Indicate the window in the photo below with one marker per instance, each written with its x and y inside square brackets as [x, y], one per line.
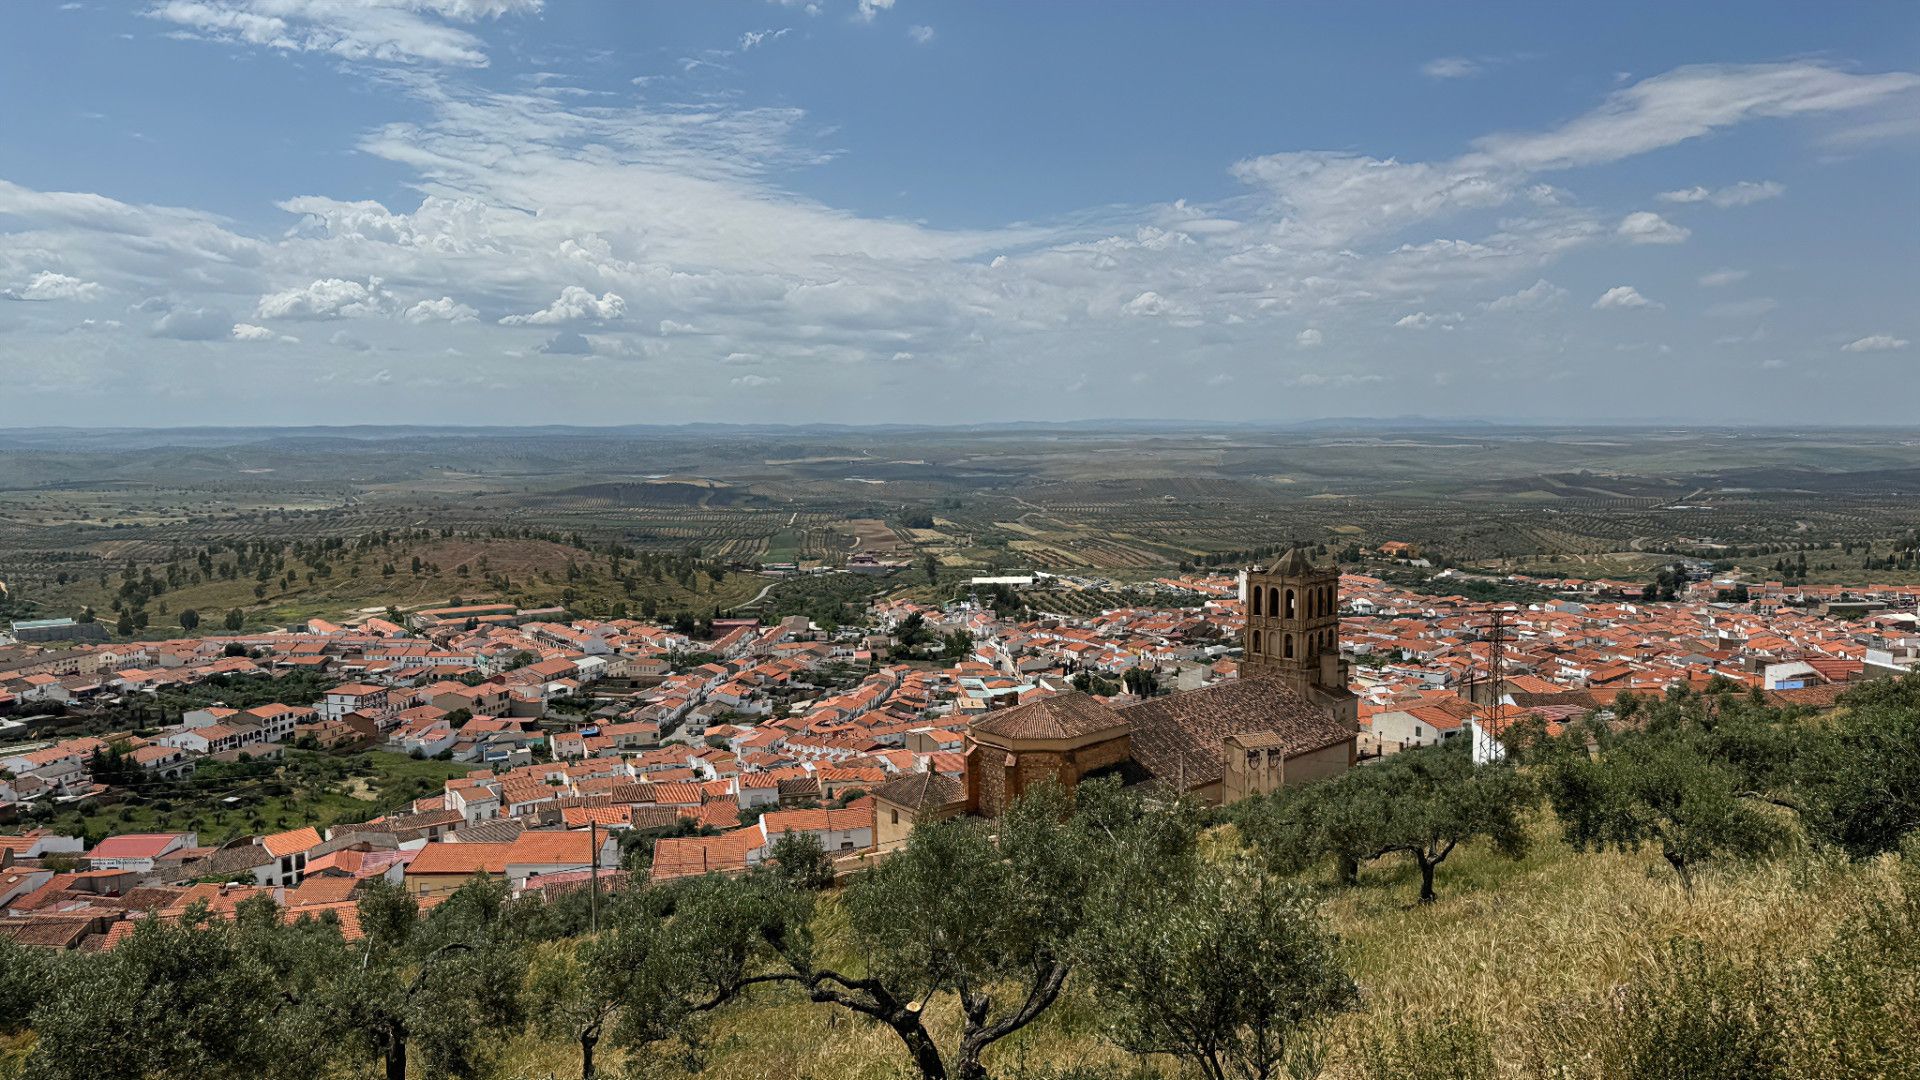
[1288, 645]
[896, 816]
[1256, 643]
[1290, 604]
[1253, 600]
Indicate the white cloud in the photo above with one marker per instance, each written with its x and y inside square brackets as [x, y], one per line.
[384, 31]
[1539, 296]
[1647, 227]
[194, 324]
[1622, 296]
[756, 380]
[1148, 304]
[1309, 338]
[250, 332]
[1451, 67]
[567, 343]
[574, 304]
[1313, 379]
[1420, 320]
[753, 39]
[1689, 102]
[343, 340]
[1718, 278]
[685, 211]
[1741, 194]
[328, 298]
[870, 8]
[1875, 343]
[445, 309]
[47, 285]
[1333, 199]
[920, 34]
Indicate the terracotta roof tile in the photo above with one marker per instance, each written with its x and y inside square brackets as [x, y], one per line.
[1178, 737]
[1062, 716]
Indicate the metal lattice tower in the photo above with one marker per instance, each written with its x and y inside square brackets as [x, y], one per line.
[1496, 633]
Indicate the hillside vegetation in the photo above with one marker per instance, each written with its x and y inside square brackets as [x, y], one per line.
[1707, 888]
[274, 582]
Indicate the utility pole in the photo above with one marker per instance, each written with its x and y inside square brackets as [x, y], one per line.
[1497, 670]
[1497, 654]
[1492, 717]
[593, 881]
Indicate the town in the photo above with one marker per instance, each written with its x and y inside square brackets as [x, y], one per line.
[582, 749]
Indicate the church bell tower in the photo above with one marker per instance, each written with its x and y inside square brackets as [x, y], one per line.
[1293, 631]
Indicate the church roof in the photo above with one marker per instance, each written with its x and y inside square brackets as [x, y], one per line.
[1293, 564]
[1178, 738]
[921, 791]
[1062, 716]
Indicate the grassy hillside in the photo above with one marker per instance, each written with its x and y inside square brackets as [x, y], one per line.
[1515, 958]
[406, 574]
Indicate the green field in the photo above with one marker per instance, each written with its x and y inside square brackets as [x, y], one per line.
[532, 518]
[221, 802]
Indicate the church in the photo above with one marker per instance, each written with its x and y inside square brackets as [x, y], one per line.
[1288, 719]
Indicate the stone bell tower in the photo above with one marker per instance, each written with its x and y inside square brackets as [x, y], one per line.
[1293, 632]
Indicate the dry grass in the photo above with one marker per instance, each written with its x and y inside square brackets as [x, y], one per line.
[1508, 944]
[1511, 941]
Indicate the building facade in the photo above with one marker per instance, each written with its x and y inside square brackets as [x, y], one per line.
[1293, 632]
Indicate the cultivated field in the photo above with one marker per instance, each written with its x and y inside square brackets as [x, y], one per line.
[539, 516]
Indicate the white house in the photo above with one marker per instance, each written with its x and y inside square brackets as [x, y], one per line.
[850, 829]
[287, 856]
[138, 851]
[546, 851]
[372, 701]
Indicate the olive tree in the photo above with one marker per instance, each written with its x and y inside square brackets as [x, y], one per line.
[447, 984]
[201, 997]
[991, 914]
[1422, 803]
[1661, 786]
[1857, 780]
[1226, 969]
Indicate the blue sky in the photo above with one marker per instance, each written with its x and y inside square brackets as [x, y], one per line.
[498, 211]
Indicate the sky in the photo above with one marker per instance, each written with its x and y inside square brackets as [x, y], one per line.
[241, 212]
